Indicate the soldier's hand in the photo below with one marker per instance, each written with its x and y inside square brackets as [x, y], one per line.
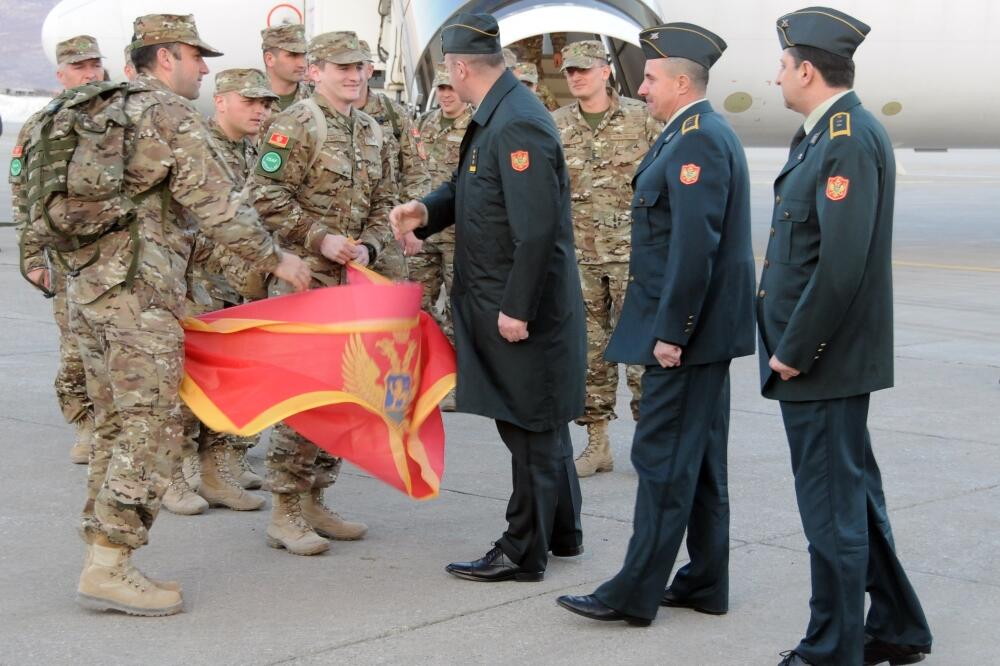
[40, 276]
[361, 256]
[512, 330]
[294, 271]
[666, 354]
[404, 218]
[786, 371]
[338, 248]
[411, 244]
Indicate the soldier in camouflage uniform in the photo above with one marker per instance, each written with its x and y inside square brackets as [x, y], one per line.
[284, 48]
[442, 130]
[218, 279]
[79, 62]
[604, 137]
[410, 174]
[129, 68]
[529, 50]
[527, 74]
[326, 191]
[125, 321]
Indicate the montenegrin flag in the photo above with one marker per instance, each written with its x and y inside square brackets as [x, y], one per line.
[358, 369]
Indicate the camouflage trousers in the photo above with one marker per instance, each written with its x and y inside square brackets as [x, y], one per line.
[71, 380]
[392, 263]
[604, 288]
[433, 268]
[294, 464]
[133, 353]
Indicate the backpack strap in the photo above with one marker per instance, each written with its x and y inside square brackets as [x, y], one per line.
[390, 112]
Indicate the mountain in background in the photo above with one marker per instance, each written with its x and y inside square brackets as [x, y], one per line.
[22, 62]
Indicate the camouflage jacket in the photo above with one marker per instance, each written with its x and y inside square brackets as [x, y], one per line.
[169, 152]
[214, 270]
[33, 254]
[303, 90]
[601, 164]
[409, 154]
[346, 191]
[442, 144]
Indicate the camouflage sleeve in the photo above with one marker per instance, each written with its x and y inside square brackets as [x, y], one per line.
[32, 252]
[377, 231]
[416, 180]
[202, 183]
[279, 173]
[653, 129]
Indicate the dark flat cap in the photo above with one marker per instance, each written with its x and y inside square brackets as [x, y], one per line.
[471, 33]
[682, 40]
[822, 28]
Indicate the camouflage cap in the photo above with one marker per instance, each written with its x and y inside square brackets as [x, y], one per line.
[77, 49]
[526, 71]
[367, 50]
[289, 37]
[340, 48]
[247, 82]
[583, 55]
[441, 76]
[509, 58]
[154, 29]
[128, 54]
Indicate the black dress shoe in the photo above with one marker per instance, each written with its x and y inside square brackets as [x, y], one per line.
[590, 606]
[669, 599]
[568, 552]
[793, 658]
[493, 567]
[880, 652]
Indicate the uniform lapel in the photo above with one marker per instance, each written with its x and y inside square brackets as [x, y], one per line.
[669, 132]
[798, 155]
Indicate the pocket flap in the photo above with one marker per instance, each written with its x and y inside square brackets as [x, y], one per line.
[645, 198]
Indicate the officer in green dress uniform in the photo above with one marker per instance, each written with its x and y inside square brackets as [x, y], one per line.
[520, 333]
[688, 312]
[825, 320]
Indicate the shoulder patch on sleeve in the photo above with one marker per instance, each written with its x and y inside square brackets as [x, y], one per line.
[690, 174]
[691, 124]
[520, 160]
[272, 161]
[278, 140]
[18, 151]
[840, 124]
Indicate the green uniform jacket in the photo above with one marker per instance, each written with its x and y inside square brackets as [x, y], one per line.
[825, 301]
[509, 202]
[691, 273]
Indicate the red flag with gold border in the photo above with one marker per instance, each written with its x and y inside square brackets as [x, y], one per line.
[358, 369]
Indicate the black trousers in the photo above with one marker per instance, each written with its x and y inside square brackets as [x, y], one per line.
[544, 508]
[679, 454]
[851, 550]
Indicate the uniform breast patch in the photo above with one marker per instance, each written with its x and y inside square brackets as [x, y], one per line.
[836, 188]
[520, 160]
[690, 174]
[270, 161]
[278, 140]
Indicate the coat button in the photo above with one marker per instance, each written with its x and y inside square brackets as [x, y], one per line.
[642, 199]
[787, 215]
[766, 263]
[777, 199]
[631, 278]
[772, 231]
[762, 293]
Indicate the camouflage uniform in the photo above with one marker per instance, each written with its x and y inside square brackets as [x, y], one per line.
[130, 338]
[435, 265]
[71, 380]
[529, 50]
[410, 174]
[288, 37]
[526, 71]
[346, 191]
[601, 163]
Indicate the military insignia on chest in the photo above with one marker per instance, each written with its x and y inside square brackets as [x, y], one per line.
[278, 140]
[836, 188]
[520, 160]
[690, 174]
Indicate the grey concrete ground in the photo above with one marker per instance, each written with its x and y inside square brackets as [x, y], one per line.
[387, 599]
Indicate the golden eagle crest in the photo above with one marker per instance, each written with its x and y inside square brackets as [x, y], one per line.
[398, 387]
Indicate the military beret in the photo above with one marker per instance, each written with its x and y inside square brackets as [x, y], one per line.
[584, 55]
[472, 34]
[509, 58]
[441, 76]
[287, 36]
[526, 71]
[822, 28]
[77, 49]
[366, 50]
[248, 82]
[682, 40]
[340, 48]
[153, 29]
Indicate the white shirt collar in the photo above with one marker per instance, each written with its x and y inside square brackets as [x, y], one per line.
[680, 111]
[820, 111]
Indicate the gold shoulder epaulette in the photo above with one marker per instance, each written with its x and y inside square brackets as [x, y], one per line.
[690, 124]
[840, 124]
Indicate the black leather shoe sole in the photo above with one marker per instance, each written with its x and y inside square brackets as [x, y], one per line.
[515, 575]
[628, 619]
[568, 552]
[681, 604]
[899, 661]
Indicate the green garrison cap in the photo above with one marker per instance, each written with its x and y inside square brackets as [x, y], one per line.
[248, 82]
[526, 71]
[682, 40]
[77, 49]
[584, 55]
[166, 28]
[441, 76]
[289, 37]
[471, 33]
[822, 28]
[340, 48]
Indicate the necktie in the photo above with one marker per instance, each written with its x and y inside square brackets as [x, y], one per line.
[797, 139]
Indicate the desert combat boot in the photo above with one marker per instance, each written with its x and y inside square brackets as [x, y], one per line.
[180, 498]
[329, 523]
[109, 581]
[289, 530]
[241, 470]
[597, 456]
[218, 486]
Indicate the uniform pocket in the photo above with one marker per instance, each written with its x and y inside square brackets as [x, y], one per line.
[145, 367]
[789, 216]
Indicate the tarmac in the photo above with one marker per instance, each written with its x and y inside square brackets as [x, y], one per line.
[388, 600]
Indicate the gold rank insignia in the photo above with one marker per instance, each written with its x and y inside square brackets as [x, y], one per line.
[690, 124]
[840, 124]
